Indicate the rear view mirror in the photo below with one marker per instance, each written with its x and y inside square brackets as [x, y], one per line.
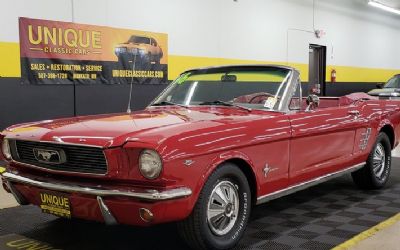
[229, 78]
[380, 85]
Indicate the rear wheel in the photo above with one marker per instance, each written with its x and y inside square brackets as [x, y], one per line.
[376, 172]
[220, 215]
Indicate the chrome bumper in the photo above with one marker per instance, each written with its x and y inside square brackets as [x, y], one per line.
[148, 194]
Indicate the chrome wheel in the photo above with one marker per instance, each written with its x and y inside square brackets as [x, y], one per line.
[379, 161]
[223, 208]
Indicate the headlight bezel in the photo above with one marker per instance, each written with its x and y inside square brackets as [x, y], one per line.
[150, 172]
[5, 149]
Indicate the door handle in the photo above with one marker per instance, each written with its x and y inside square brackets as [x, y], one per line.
[354, 112]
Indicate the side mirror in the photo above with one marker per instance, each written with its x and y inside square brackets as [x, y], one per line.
[312, 102]
[380, 85]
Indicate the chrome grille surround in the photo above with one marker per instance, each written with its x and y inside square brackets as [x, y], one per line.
[79, 158]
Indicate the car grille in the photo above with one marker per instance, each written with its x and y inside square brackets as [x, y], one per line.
[79, 159]
[121, 50]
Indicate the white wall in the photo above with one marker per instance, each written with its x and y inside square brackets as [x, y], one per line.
[357, 34]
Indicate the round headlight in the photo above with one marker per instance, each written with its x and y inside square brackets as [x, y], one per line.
[150, 164]
[5, 148]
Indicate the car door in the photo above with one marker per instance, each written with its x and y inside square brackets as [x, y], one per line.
[322, 141]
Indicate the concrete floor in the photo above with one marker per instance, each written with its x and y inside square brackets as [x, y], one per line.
[396, 152]
[6, 199]
[386, 238]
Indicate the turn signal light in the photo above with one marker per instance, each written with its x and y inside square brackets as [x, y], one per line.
[146, 215]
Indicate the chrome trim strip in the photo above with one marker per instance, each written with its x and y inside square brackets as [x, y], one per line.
[54, 142]
[109, 219]
[307, 184]
[17, 195]
[149, 194]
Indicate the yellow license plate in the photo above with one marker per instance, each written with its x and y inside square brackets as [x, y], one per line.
[56, 204]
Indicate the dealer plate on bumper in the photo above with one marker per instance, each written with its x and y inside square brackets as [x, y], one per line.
[56, 204]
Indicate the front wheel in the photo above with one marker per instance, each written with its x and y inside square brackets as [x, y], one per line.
[375, 173]
[220, 215]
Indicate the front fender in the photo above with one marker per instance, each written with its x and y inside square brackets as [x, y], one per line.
[222, 157]
[383, 123]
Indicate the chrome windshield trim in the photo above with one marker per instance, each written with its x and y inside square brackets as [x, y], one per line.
[307, 184]
[289, 88]
[148, 194]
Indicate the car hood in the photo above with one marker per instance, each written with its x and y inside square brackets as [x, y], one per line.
[150, 125]
[383, 91]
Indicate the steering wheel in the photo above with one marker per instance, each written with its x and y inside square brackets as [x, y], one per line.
[260, 95]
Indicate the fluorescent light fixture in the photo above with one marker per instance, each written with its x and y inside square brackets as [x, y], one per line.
[383, 7]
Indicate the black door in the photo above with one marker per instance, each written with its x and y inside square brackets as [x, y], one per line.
[317, 69]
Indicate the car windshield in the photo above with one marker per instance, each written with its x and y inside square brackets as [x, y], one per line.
[139, 39]
[255, 88]
[393, 83]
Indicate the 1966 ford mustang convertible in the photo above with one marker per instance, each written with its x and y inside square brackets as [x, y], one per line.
[216, 142]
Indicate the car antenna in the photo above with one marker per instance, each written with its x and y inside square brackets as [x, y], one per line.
[128, 110]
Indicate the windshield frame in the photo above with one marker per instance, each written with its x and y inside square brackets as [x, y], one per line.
[395, 79]
[293, 77]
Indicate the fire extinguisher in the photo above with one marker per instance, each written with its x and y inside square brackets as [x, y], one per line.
[333, 75]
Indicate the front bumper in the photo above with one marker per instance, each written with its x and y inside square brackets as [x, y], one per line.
[148, 194]
[25, 188]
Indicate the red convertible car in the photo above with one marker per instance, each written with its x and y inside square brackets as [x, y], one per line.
[216, 142]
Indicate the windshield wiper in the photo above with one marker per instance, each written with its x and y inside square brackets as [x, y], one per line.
[166, 103]
[222, 103]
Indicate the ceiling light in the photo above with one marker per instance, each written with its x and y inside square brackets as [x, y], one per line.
[383, 7]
